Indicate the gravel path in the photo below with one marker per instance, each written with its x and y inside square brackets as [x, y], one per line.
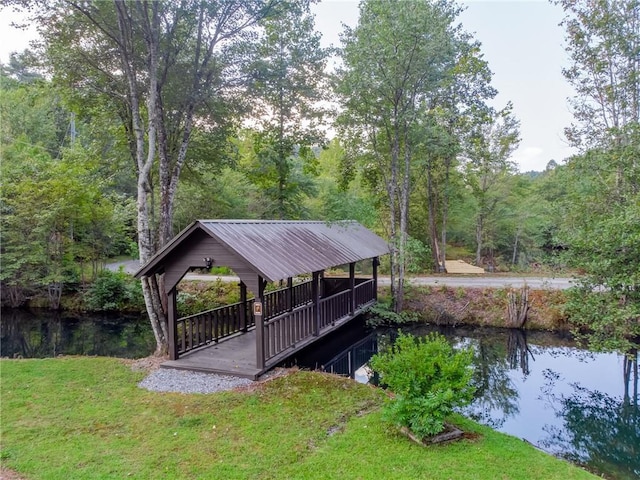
[183, 381]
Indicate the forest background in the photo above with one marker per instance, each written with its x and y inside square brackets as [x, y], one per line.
[132, 119]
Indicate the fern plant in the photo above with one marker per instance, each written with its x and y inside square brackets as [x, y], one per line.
[428, 378]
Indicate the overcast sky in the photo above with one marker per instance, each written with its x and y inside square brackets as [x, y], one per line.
[521, 40]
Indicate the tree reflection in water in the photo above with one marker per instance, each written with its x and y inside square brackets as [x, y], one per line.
[518, 351]
[496, 394]
[599, 431]
[29, 334]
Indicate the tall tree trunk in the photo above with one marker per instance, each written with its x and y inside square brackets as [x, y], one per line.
[145, 152]
[433, 229]
[514, 257]
[445, 213]
[479, 232]
[404, 220]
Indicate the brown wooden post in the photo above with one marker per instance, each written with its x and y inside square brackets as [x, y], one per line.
[352, 287]
[315, 298]
[376, 262]
[258, 313]
[243, 307]
[172, 323]
[289, 294]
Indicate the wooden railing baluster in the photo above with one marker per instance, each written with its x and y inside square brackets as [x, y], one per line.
[284, 328]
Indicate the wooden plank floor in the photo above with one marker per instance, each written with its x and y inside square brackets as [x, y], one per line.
[232, 356]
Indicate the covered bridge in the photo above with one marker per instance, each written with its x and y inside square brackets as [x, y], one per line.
[261, 331]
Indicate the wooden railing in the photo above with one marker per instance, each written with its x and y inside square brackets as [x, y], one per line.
[205, 327]
[284, 331]
[334, 308]
[365, 292]
[285, 323]
[288, 329]
[277, 302]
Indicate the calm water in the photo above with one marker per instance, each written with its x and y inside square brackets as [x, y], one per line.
[540, 387]
[33, 334]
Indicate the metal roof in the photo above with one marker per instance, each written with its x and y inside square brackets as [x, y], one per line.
[282, 249]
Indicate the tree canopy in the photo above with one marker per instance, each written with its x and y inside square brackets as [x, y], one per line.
[134, 117]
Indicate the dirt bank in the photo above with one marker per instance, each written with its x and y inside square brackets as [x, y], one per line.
[484, 307]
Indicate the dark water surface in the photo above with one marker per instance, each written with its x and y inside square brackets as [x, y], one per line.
[538, 386]
[39, 334]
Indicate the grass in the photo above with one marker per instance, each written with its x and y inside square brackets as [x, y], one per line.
[85, 418]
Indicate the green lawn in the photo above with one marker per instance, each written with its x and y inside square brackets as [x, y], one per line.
[85, 418]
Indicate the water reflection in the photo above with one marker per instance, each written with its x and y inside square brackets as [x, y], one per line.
[596, 429]
[495, 390]
[568, 401]
[33, 334]
[539, 386]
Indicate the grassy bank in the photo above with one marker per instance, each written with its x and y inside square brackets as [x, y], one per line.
[86, 418]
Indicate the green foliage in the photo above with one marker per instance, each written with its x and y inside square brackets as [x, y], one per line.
[288, 83]
[59, 218]
[602, 47]
[382, 314]
[600, 203]
[605, 308]
[417, 256]
[114, 291]
[428, 378]
[489, 148]
[199, 297]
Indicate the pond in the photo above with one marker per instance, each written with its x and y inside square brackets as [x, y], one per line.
[538, 386]
[39, 334]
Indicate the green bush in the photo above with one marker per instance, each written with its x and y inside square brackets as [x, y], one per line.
[114, 291]
[196, 297]
[428, 377]
[381, 314]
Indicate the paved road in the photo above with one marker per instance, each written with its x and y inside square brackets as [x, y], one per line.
[488, 280]
[449, 281]
[479, 281]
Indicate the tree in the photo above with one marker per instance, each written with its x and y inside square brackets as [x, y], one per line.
[450, 117]
[288, 82]
[395, 60]
[283, 183]
[601, 227]
[56, 214]
[54, 218]
[603, 43]
[165, 68]
[489, 148]
[340, 196]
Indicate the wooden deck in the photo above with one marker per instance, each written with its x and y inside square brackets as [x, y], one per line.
[233, 356]
[236, 355]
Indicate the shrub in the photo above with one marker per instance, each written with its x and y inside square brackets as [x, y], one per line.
[113, 291]
[428, 377]
[381, 314]
[196, 297]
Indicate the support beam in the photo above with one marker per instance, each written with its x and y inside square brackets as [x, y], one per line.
[315, 298]
[243, 308]
[375, 263]
[352, 288]
[258, 311]
[172, 323]
[289, 294]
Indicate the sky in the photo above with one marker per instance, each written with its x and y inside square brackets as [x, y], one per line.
[521, 40]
